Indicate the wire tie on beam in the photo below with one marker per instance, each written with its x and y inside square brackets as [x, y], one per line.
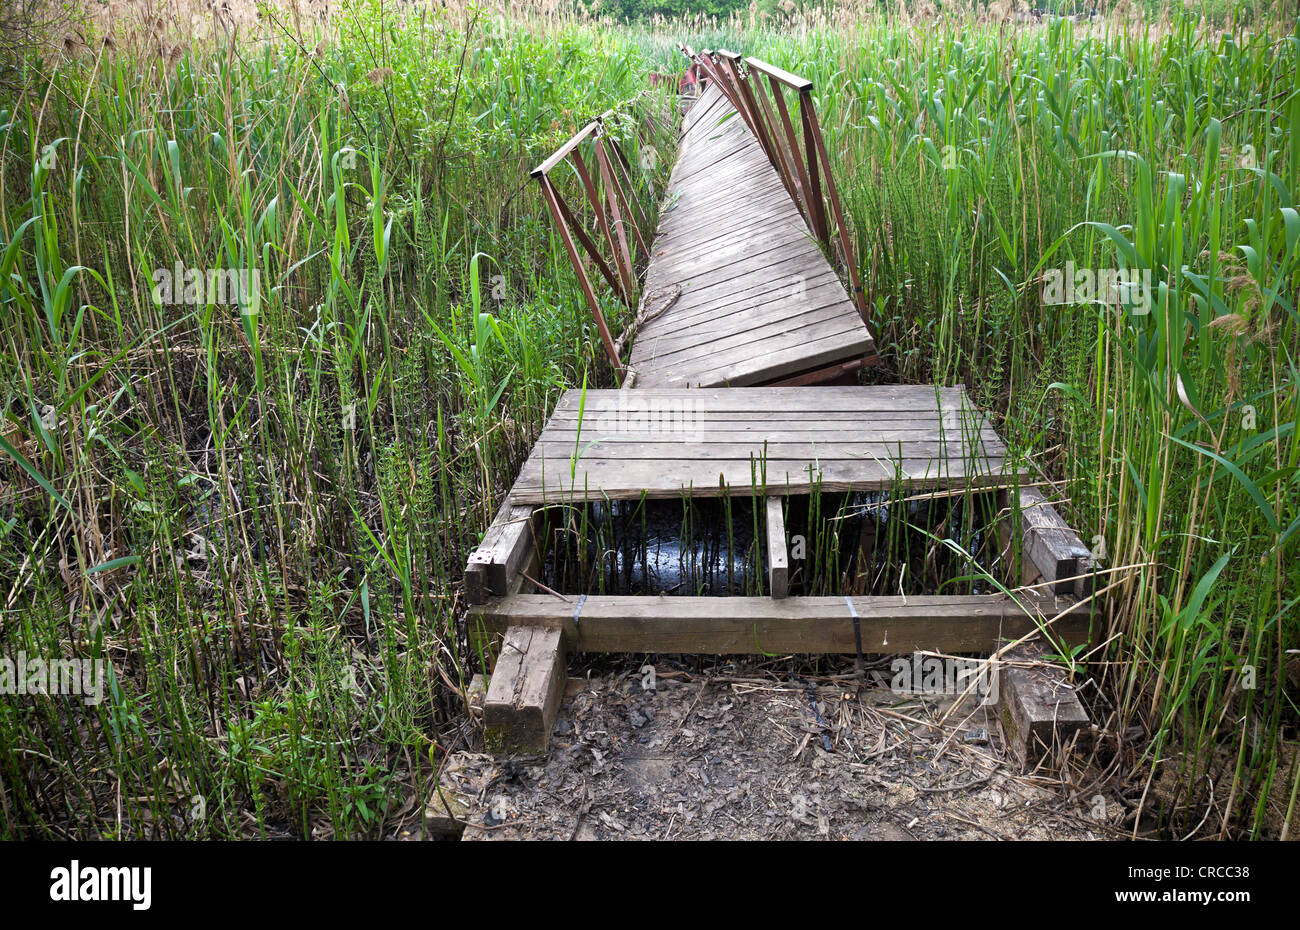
[857, 637]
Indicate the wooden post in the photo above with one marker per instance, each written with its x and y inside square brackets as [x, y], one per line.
[620, 258]
[592, 252]
[846, 244]
[778, 564]
[548, 192]
[810, 139]
[524, 695]
[1038, 709]
[1050, 550]
[497, 560]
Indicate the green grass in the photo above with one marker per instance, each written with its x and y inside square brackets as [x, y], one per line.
[258, 513]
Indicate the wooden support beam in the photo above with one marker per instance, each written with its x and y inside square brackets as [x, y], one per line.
[505, 547]
[811, 136]
[830, 373]
[754, 625]
[525, 692]
[559, 154]
[1037, 707]
[793, 81]
[846, 244]
[1051, 551]
[778, 564]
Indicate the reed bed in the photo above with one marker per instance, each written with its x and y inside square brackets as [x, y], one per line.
[254, 509]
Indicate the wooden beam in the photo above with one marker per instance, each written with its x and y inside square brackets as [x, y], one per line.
[1051, 550]
[545, 167]
[505, 547]
[525, 692]
[793, 81]
[549, 195]
[830, 373]
[1037, 707]
[753, 625]
[778, 564]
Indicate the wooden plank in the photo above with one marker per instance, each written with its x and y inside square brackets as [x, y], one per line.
[525, 691]
[800, 401]
[1048, 543]
[740, 335]
[1039, 710]
[567, 439]
[597, 449]
[655, 480]
[564, 150]
[793, 81]
[758, 265]
[787, 305]
[756, 625]
[832, 373]
[778, 563]
[505, 546]
[711, 442]
[740, 371]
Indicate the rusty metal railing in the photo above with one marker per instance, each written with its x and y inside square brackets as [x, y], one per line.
[804, 168]
[619, 219]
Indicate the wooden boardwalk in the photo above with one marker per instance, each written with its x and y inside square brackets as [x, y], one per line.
[663, 443]
[738, 291]
[739, 313]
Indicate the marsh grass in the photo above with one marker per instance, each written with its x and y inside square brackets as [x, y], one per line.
[257, 511]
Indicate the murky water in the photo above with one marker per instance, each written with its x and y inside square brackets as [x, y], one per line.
[837, 544]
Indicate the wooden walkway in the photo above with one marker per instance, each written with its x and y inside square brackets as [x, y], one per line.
[739, 295]
[738, 291]
[663, 443]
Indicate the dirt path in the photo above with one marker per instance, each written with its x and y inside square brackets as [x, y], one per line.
[738, 753]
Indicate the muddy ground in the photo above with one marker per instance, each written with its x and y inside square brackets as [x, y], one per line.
[736, 751]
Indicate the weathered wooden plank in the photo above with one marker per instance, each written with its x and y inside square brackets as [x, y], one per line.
[1038, 708]
[769, 366]
[707, 431]
[714, 441]
[778, 563]
[525, 691]
[596, 448]
[661, 481]
[722, 340]
[793, 81]
[505, 546]
[795, 313]
[1048, 543]
[856, 398]
[746, 287]
[752, 625]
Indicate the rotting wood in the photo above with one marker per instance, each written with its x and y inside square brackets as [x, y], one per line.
[778, 564]
[1039, 710]
[506, 545]
[524, 694]
[1051, 550]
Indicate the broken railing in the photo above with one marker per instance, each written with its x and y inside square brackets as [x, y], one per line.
[802, 163]
[621, 222]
